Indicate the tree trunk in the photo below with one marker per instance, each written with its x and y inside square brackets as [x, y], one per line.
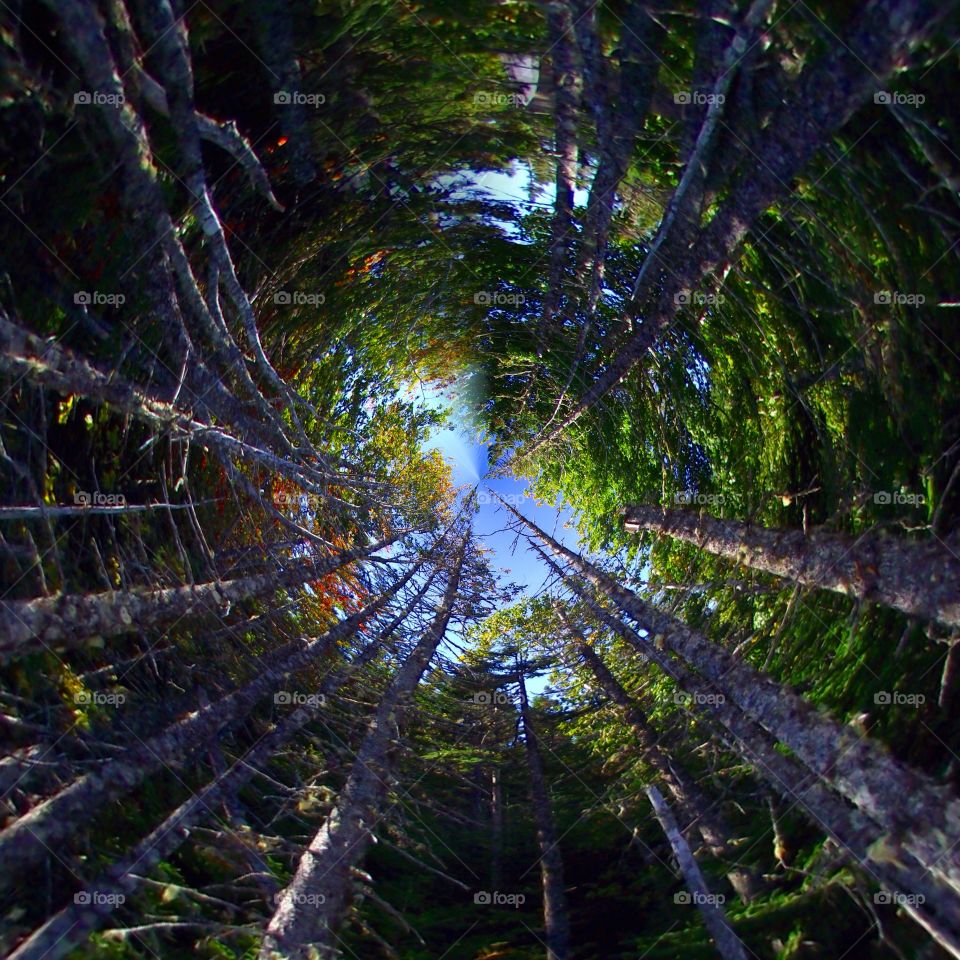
[920, 579]
[68, 928]
[826, 96]
[556, 918]
[312, 907]
[47, 364]
[567, 82]
[69, 620]
[929, 900]
[710, 905]
[695, 806]
[496, 827]
[906, 803]
[28, 840]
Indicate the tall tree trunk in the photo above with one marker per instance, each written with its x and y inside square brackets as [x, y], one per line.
[496, 827]
[313, 905]
[715, 920]
[567, 83]
[28, 840]
[695, 806]
[556, 917]
[276, 43]
[68, 928]
[929, 900]
[909, 805]
[69, 620]
[826, 96]
[49, 365]
[920, 579]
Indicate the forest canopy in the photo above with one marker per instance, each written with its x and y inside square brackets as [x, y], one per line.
[480, 479]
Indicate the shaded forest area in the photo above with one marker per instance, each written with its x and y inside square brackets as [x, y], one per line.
[266, 690]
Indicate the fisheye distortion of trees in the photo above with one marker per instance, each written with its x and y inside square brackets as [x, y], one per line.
[480, 479]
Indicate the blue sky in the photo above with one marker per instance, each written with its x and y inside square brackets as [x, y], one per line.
[461, 446]
[512, 559]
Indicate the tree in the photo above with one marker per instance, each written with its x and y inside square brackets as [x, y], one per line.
[728, 944]
[555, 917]
[917, 578]
[311, 908]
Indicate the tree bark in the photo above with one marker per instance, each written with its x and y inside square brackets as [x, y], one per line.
[567, 83]
[556, 917]
[312, 907]
[826, 97]
[714, 919]
[28, 840]
[933, 904]
[695, 806]
[69, 620]
[921, 579]
[907, 804]
[68, 928]
[45, 363]
[496, 827]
